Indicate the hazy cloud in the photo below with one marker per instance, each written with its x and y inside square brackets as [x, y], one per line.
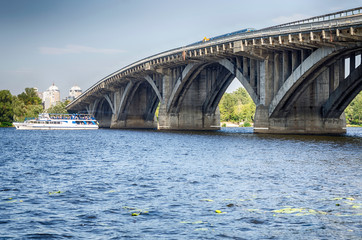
[287, 19]
[69, 49]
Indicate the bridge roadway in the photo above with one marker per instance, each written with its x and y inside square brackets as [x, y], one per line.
[301, 76]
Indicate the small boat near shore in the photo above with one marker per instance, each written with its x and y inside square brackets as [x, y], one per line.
[48, 121]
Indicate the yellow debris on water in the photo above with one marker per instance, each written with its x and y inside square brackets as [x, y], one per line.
[57, 192]
[219, 212]
[206, 200]
[341, 198]
[135, 211]
[299, 211]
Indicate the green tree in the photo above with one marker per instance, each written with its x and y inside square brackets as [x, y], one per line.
[27, 105]
[19, 109]
[227, 106]
[6, 107]
[59, 108]
[237, 107]
[30, 97]
[354, 111]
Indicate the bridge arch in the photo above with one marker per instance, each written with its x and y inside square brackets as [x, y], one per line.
[226, 73]
[342, 96]
[319, 62]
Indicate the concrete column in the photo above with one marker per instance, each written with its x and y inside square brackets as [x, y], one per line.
[269, 79]
[252, 73]
[257, 79]
[331, 78]
[278, 71]
[246, 66]
[287, 65]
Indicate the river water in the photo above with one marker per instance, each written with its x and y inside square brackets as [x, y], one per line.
[229, 184]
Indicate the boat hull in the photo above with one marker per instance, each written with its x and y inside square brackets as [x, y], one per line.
[22, 126]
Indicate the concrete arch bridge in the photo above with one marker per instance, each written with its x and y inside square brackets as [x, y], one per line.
[301, 76]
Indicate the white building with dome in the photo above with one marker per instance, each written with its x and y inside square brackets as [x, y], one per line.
[51, 97]
[74, 92]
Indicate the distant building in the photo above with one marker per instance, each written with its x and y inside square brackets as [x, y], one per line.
[51, 97]
[74, 92]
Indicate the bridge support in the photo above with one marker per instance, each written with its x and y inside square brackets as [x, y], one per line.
[185, 92]
[297, 107]
[301, 121]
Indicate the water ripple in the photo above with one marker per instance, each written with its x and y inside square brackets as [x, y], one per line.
[229, 184]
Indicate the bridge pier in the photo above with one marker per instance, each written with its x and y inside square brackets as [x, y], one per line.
[299, 122]
[302, 111]
[189, 119]
[184, 97]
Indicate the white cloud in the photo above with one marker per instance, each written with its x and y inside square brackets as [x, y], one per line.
[69, 49]
[288, 19]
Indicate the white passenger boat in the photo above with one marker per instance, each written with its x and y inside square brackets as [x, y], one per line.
[50, 121]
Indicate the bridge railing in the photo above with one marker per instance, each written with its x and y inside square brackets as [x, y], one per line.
[326, 17]
[333, 20]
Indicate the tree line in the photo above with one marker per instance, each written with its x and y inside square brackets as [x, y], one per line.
[236, 107]
[23, 106]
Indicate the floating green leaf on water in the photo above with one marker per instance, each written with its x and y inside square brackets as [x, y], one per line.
[57, 192]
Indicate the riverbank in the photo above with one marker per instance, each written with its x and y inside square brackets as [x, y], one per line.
[6, 124]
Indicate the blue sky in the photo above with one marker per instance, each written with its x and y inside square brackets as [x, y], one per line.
[79, 42]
